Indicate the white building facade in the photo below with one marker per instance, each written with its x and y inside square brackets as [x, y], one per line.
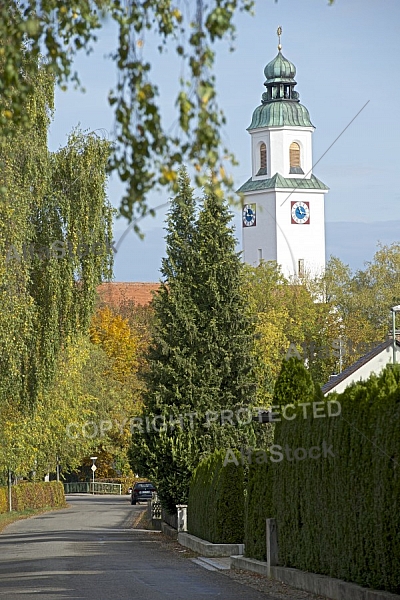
[372, 363]
[283, 217]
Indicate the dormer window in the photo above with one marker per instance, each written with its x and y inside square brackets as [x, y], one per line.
[295, 159]
[263, 160]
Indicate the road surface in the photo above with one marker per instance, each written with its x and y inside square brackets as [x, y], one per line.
[90, 551]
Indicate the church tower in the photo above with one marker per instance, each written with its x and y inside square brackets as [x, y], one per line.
[283, 217]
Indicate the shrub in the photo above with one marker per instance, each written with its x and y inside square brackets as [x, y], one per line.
[33, 495]
[3, 500]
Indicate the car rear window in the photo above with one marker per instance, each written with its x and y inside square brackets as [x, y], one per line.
[144, 486]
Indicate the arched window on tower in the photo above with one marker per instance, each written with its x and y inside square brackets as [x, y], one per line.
[263, 159]
[295, 159]
[263, 156]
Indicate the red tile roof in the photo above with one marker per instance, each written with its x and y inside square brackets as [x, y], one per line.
[117, 293]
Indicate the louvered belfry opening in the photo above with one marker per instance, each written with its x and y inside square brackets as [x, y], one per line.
[295, 159]
[294, 155]
[263, 156]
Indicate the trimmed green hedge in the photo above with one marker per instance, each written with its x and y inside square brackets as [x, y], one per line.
[338, 516]
[294, 385]
[216, 500]
[258, 508]
[33, 495]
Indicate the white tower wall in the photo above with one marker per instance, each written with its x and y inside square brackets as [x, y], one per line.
[278, 142]
[297, 242]
[276, 238]
[260, 242]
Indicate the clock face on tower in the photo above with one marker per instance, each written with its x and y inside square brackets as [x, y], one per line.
[249, 215]
[300, 213]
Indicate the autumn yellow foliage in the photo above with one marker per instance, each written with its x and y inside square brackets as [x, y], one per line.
[123, 347]
[120, 343]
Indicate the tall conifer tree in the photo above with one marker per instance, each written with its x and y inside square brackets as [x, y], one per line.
[161, 449]
[224, 363]
[200, 360]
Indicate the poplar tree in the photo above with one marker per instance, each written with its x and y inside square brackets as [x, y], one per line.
[199, 361]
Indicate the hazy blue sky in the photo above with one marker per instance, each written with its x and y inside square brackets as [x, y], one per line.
[345, 55]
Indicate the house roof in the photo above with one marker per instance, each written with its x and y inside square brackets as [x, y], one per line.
[118, 293]
[359, 363]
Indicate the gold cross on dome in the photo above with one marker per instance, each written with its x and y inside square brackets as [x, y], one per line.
[279, 33]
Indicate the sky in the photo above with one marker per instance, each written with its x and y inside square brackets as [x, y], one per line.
[346, 56]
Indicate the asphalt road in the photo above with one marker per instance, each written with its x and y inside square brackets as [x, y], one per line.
[89, 551]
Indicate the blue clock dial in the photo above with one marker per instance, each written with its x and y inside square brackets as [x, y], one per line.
[249, 215]
[300, 212]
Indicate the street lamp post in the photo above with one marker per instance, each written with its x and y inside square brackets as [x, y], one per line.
[394, 310]
[93, 467]
[9, 490]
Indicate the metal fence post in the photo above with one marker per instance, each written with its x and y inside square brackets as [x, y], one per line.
[272, 545]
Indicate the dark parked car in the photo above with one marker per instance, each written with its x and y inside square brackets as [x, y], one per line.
[142, 491]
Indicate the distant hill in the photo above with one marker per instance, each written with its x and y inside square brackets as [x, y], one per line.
[354, 243]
